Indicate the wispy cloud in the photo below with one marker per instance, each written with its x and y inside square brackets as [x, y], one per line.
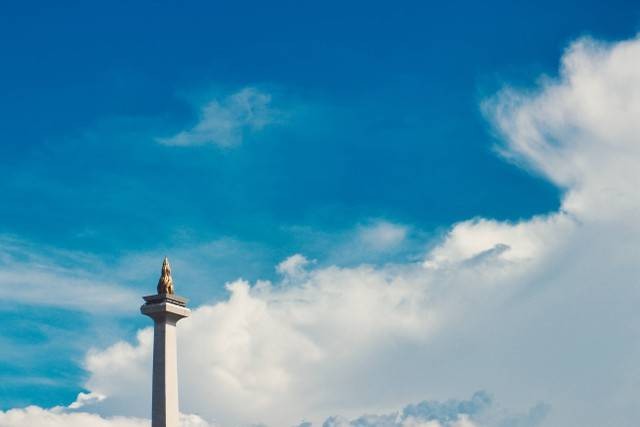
[382, 235]
[226, 122]
[50, 277]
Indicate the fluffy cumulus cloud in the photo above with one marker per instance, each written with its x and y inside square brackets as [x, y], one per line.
[453, 413]
[35, 416]
[544, 309]
[58, 417]
[330, 342]
[86, 399]
[478, 411]
[581, 129]
[294, 266]
[226, 122]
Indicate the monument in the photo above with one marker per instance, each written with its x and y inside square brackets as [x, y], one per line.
[166, 309]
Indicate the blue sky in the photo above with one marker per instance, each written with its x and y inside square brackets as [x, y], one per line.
[341, 117]
[383, 115]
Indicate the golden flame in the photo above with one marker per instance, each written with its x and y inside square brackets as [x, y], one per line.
[165, 284]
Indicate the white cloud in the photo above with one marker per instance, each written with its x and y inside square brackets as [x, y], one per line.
[382, 235]
[293, 266]
[34, 416]
[310, 348]
[86, 399]
[453, 413]
[478, 239]
[226, 122]
[476, 412]
[373, 240]
[45, 276]
[580, 130]
[131, 362]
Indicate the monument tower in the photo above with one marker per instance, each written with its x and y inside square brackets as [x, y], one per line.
[165, 308]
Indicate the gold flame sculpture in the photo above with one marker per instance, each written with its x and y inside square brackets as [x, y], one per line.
[165, 284]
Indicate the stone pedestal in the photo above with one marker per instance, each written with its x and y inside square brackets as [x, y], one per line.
[165, 310]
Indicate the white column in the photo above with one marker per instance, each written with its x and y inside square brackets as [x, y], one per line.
[165, 314]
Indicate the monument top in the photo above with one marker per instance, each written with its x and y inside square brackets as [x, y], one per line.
[166, 309]
[166, 292]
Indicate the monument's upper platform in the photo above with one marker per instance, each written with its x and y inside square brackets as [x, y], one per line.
[170, 298]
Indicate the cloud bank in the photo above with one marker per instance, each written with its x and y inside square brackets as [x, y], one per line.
[452, 413]
[542, 309]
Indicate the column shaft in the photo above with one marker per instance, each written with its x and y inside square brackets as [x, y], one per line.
[164, 406]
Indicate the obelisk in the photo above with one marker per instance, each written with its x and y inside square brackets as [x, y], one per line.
[165, 308]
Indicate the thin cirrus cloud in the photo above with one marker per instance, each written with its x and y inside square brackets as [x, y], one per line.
[226, 122]
[43, 277]
[382, 235]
